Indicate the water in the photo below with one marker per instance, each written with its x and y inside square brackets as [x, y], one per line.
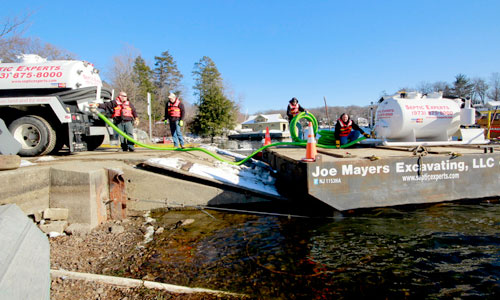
[445, 251]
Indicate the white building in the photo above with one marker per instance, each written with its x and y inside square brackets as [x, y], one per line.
[259, 122]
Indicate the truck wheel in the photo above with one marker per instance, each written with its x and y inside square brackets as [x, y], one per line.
[35, 134]
[61, 139]
[93, 141]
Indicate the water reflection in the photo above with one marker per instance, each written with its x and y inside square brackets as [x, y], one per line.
[442, 251]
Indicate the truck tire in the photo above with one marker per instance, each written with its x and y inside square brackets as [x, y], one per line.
[93, 141]
[35, 134]
[61, 139]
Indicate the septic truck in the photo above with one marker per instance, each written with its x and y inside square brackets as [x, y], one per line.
[45, 104]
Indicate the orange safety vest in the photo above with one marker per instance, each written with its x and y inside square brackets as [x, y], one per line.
[122, 109]
[294, 109]
[345, 129]
[173, 109]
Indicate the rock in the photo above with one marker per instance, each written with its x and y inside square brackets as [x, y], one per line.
[149, 220]
[55, 226]
[55, 214]
[9, 162]
[78, 229]
[187, 222]
[54, 234]
[134, 213]
[36, 216]
[116, 229]
[159, 230]
[149, 277]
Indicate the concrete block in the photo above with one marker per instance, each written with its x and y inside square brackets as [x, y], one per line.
[55, 214]
[9, 162]
[78, 229]
[27, 187]
[147, 190]
[36, 216]
[24, 257]
[54, 226]
[84, 193]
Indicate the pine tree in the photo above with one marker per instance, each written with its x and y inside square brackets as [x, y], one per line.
[167, 78]
[215, 111]
[462, 87]
[142, 78]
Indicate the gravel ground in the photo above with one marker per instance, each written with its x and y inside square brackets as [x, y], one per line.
[107, 250]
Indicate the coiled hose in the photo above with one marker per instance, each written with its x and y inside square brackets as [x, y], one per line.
[327, 137]
[303, 144]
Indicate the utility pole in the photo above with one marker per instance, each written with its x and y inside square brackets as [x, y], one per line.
[149, 115]
[326, 110]
[371, 115]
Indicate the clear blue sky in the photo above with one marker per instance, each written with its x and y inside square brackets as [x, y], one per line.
[270, 51]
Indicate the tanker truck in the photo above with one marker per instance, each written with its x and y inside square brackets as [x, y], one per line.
[45, 104]
[412, 119]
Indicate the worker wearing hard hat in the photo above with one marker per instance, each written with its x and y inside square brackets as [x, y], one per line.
[124, 116]
[292, 110]
[347, 131]
[174, 113]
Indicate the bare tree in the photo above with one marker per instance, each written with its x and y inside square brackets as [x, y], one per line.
[121, 72]
[494, 91]
[425, 87]
[13, 26]
[11, 30]
[479, 90]
[441, 86]
[13, 43]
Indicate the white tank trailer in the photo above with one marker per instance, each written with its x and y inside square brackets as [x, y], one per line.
[407, 119]
[45, 104]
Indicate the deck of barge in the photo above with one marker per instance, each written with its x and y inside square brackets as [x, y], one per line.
[387, 176]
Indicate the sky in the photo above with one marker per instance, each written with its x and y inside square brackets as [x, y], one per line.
[349, 52]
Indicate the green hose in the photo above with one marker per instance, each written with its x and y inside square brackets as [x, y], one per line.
[293, 125]
[327, 138]
[303, 144]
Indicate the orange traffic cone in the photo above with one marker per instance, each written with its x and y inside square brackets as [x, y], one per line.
[164, 140]
[267, 139]
[311, 145]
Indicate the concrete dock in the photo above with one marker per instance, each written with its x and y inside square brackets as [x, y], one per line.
[355, 178]
[105, 184]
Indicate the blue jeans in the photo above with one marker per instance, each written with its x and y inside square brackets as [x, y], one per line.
[128, 128]
[300, 134]
[175, 130]
[354, 135]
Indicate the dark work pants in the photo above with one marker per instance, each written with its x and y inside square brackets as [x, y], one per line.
[128, 128]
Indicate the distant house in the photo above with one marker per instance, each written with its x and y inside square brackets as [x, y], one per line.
[259, 123]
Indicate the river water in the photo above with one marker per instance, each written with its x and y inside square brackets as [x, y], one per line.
[442, 251]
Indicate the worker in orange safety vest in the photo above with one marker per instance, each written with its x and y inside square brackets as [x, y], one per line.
[174, 115]
[292, 110]
[124, 116]
[346, 130]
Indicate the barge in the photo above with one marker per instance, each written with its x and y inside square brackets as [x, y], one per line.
[356, 178]
[426, 148]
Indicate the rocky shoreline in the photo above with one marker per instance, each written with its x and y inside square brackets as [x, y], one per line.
[113, 248]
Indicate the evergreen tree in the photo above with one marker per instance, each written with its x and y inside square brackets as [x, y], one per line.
[167, 78]
[215, 111]
[142, 76]
[166, 74]
[462, 87]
